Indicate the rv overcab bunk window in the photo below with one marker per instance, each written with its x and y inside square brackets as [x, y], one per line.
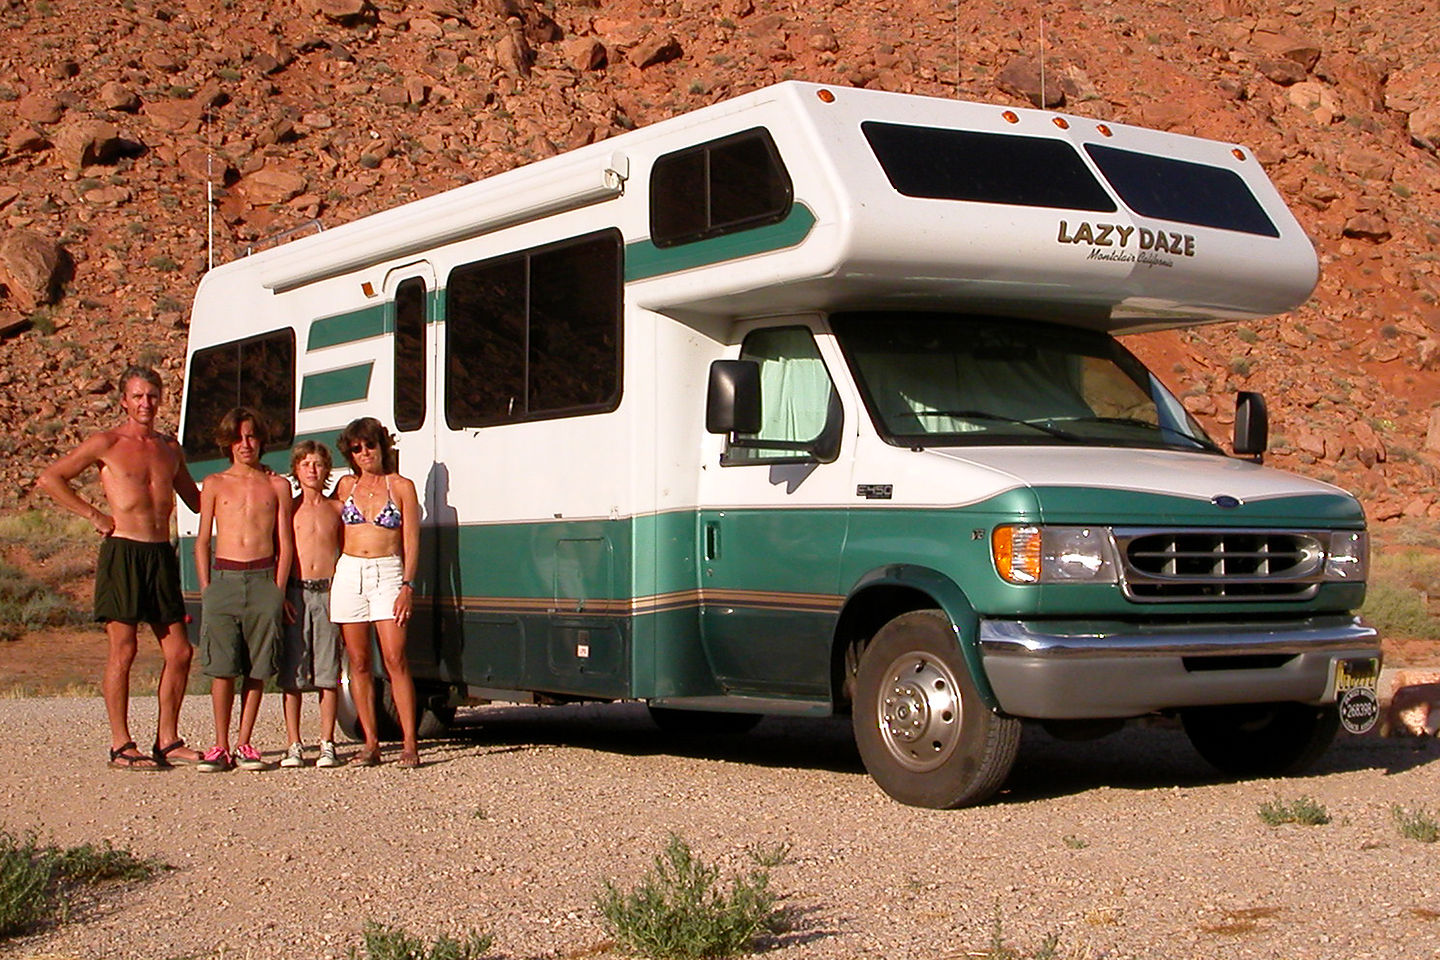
[723, 186]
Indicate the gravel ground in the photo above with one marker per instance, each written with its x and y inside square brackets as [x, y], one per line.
[1126, 847]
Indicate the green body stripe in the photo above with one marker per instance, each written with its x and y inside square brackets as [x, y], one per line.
[644, 260]
[373, 321]
[335, 386]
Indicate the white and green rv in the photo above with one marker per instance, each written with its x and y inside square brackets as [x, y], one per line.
[809, 403]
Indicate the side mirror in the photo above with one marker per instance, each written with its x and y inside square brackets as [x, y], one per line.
[1252, 425]
[732, 402]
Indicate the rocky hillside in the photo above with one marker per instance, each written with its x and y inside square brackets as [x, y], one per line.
[114, 118]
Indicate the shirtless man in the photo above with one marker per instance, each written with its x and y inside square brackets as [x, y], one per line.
[243, 585]
[137, 578]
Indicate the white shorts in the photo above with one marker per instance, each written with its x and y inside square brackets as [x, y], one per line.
[364, 589]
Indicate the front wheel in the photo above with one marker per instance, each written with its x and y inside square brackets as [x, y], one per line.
[433, 720]
[1261, 739]
[924, 734]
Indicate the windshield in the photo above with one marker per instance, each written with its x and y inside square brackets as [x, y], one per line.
[935, 379]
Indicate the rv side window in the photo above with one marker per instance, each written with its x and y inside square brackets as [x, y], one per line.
[940, 164]
[795, 393]
[536, 334]
[410, 355]
[724, 186]
[257, 372]
[1170, 189]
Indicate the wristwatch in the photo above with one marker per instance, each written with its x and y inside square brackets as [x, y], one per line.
[408, 583]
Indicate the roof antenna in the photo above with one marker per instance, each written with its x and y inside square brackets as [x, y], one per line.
[209, 197]
[1044, 101]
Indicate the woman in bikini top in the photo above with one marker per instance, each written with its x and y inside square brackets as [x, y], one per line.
[381, 513]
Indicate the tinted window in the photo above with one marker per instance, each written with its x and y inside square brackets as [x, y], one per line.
[985, 167]
[734, 183]
[1182, 191]
[410, 355]
[534, 334]
[258, 372]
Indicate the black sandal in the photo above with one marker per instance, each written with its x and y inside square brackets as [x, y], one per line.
[122, 759]
[161, 755]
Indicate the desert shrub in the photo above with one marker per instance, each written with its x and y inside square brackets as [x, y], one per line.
[679, 911]
[1304, 810]
[999, 949]
[395, 943]
[1418, 824]
[36, 880]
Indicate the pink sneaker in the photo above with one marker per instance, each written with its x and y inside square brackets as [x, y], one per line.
[215, 760]
[249, 758]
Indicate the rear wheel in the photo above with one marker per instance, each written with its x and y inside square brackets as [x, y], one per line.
[433, 719]
[924, 734]
[1261, 739]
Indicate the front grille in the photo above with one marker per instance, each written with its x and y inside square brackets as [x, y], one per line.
[1172, 566]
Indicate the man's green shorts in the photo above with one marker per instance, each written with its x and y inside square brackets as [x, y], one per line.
[242, 617]
[138, 582]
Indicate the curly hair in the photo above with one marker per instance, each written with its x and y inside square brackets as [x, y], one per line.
[372, 430]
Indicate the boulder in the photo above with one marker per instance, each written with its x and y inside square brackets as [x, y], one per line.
[31, 268]
[344, 12]
[39, 108]
[271, 185]
[584, 53]
[116, 96]
[87, 142]
[1021, 78]
[1424, 128]
[659, 47]
[1367, 226]
[1281, 70]
[1318, 100]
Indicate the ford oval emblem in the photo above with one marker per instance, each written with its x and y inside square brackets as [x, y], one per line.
[1225, 501]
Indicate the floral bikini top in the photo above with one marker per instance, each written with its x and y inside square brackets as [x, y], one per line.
[389, 516]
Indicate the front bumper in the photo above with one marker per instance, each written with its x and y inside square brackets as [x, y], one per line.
[1063, 670]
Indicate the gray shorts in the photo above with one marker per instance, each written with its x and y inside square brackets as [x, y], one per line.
[242, 617]
[310, 659]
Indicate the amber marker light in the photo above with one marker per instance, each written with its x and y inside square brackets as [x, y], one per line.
[1061, 122]
[1010, 116]
[367, 288]
[1104, 130]
[1016, 550]
[825, 96]
[1239, 154]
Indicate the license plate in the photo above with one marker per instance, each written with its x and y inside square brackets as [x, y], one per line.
[1351, 674]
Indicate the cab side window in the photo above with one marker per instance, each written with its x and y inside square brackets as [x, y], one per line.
[257, 372]
[798, 401]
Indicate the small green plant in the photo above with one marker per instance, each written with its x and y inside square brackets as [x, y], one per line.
[1074, 842]
[678, 912]
[768, 857]
[163, 263]
[998, 949]
[1418, 824]
[230, 74]
[395, 943]
[1304, 810]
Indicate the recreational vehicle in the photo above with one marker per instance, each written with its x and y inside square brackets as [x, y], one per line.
[810, 402]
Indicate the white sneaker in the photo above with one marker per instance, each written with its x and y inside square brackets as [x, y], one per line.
[327, 755]
[295, 756]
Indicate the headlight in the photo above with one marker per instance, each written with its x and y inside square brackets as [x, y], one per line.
[1025, 553]
[1348, 557]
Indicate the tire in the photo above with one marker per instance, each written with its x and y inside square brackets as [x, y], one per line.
[433, 721]
[923, 733]
[699, 724]
[1261, 739]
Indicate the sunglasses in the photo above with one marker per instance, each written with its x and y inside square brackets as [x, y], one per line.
[359, 445]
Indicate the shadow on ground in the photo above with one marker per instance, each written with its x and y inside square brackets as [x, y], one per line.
[1141, 756]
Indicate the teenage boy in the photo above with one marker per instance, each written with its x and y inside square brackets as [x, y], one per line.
[137, 577]
[243, 584]
[310, 659]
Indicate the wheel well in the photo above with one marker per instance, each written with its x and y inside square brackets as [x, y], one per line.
[864, 614]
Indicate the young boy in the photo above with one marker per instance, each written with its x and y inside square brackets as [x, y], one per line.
[243, 587]
[310, 659]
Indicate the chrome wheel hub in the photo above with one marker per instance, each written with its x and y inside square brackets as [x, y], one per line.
[919, 711]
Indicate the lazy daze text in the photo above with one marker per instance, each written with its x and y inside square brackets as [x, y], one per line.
[1128, 243]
